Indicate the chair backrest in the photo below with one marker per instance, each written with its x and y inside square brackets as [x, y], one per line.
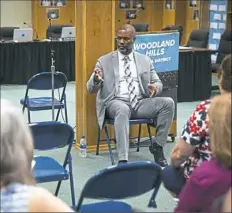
[43, 81]
[54, 31]
[6, 33]
[141, 27]
[198, 38]
[224, 47]
[179, 28]
[122, 181]
[52, 135]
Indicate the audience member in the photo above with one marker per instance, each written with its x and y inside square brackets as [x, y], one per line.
[127, 87]
[18, 190]
[193, 147]
[226, 207]
[208, 184]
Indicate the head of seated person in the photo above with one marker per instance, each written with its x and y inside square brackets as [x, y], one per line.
[16, 147]
[220, 129]
[224, 75]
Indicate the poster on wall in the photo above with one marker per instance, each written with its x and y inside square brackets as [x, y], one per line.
[138, 4]
[131, 14]
[192, 3]
[52, 3]
[217, 21]
[168, 5]
[124, 4]
[53, 13]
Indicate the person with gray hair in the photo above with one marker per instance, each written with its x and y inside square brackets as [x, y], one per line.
[127, 88]
[18, 190]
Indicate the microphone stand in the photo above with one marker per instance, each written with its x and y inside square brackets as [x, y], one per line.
[36, 33]
[53, 73]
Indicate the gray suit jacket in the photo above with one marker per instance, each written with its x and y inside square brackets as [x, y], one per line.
[109, 65]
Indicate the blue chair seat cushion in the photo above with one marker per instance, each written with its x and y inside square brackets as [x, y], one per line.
[47, 169]
[106, 206]
[42, 103]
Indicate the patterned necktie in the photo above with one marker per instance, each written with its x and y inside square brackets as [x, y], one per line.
[130, 84]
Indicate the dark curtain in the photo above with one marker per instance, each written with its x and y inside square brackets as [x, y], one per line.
[202, 75]
[185, 92]
[20, 61]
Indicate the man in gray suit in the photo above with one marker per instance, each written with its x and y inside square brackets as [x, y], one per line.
[127, 87]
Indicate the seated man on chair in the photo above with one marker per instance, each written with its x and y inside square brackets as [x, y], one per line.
[128, 86]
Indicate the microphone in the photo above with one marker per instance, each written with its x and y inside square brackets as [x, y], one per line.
[36, 33]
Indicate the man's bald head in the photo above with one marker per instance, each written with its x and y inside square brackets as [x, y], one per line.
[129, 28]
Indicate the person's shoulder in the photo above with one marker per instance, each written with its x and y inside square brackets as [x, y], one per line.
[142, 55]
[38, 192]
[41, 200]
[107, 56]
[204, 105]
[201, 111]
[209, 171]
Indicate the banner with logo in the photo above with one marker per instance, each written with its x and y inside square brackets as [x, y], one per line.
[163, 49]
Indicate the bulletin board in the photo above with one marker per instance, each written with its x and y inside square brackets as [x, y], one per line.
[217, 19]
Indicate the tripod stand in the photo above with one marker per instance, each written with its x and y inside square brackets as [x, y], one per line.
[53, 70]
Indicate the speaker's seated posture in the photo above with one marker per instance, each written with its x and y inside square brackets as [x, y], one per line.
[198, 38]
[179, 28]
[140, 27]
[224, 49]
[54, 31]
[6, 33]
[127, 88]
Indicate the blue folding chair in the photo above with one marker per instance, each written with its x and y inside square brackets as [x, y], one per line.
[120, 182]
[131, 122]
[43, 81]
[50, 136]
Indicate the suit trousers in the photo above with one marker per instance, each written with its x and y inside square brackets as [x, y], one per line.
[161, 109]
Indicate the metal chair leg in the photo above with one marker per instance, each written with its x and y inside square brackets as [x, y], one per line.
[71, 181]
[98, 140]
[139, 135]
[65, 110]
[152, 202]
[149, 133]
[58, 114]
[109, 146]
[58, 188]
[28, 115]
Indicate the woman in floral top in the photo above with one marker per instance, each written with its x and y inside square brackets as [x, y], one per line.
[193, 147]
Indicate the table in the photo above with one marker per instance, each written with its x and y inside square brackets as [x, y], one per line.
[194, 75]
[20, 61]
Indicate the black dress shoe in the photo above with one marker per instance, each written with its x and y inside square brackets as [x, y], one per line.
[158, 153]
[122, 161]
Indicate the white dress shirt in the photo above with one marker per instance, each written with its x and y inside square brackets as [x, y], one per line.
[122, 91]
